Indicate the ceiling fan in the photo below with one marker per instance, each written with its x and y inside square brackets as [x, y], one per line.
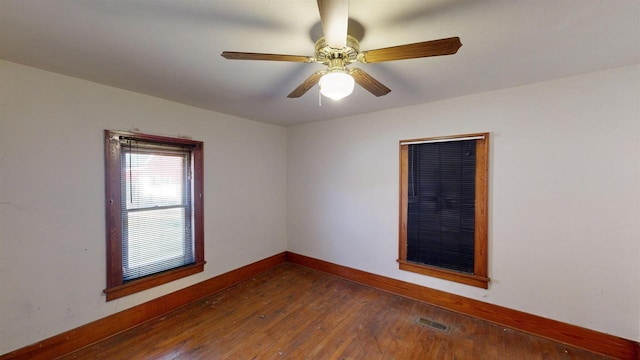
[337, 49]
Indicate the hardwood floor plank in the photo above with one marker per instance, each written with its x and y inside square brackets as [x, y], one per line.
[293, 312]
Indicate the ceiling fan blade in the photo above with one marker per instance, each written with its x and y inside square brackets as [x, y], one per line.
[233, 55]
[446, 46]
[368, 82]
[310, 82]
[334, 16]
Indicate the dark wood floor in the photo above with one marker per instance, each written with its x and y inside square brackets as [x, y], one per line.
[292, 312]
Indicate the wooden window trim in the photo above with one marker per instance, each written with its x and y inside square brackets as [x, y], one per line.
[116, 288]
[479, 278]
[148, 282]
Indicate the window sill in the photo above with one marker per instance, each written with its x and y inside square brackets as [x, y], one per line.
[148, 282]
[463, 278]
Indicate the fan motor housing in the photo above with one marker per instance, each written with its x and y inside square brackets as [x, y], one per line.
[327, 55]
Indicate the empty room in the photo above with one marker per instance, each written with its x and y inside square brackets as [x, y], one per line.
[302, 179]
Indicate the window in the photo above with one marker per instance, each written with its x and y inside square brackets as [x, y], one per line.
[154, 208]
[443, 207]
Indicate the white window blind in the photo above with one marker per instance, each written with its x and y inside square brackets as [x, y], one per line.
[157, 212]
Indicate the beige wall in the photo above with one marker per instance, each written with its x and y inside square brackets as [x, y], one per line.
[52, 232]
[564, 224]
[564, 195]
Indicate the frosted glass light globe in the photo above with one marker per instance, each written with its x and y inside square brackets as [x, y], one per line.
[336, 84]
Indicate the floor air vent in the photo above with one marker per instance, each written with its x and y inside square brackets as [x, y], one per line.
[432, 324]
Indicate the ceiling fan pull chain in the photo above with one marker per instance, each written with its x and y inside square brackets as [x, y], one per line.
[319, 97]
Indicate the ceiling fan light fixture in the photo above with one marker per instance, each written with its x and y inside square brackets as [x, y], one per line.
[337, 50]
[336, 84]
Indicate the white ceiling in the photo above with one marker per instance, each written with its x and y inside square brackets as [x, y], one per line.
[171, 49]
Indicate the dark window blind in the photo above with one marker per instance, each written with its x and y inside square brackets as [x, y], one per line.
[156, 209]
[441, 204]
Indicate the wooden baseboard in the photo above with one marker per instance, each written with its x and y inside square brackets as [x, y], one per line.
[100, 329]
[568, 334]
